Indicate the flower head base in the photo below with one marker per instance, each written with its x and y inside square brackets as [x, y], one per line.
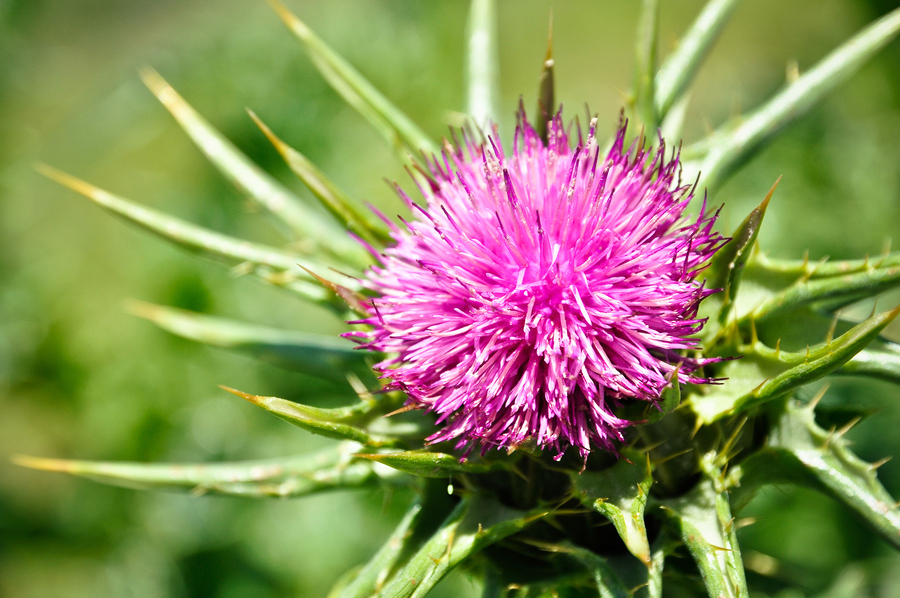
[536, 291]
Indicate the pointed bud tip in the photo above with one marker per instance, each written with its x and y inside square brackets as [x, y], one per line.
[142, 309]
[40, 463]
[280, 145]
[255, 399]
[765, 203]
[67, 180]
[289, 19]
[154, 81]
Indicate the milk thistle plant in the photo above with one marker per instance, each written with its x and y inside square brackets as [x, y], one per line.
[557, 337]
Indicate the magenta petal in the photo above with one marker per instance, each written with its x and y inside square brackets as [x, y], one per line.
[533, 289]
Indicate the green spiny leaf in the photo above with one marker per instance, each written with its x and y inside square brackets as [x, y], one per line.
[426, 464]
[800, 452]
[733, 144]
[342, 206]
[702, 519]
[833, 291]
[763, 373]
[482, 63]
[289, 476]
[476, 523]
[269, 263]
[394, 126]
[727, 265]
[332, 423]
[821, 269]
[314, 228]
[371, 578]
[645, 65]
[880, 360]
[679, 69]
[620, 494]
[314, 354]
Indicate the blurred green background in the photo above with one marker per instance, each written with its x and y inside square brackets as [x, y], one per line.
[79, 378]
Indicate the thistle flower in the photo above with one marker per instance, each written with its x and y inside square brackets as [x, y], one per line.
[536, 291]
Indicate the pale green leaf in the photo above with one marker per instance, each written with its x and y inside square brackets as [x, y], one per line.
[331, 469]
[318, 355]
[273, 265]
[645, 66]
[823, 268]
[879, 360]
[679, 69]
[702, 519]
[400, 132]
[733, 144]
[763, 373]
[427, 464]
[343, 423]
[833, 291]
[476, 523]
[373, 575]
[314, 228]
[347, 210]
[482, 63]
[799, 452]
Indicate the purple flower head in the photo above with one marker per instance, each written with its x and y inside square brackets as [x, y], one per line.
[536, 291]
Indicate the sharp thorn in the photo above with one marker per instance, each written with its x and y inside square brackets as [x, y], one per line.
[879, 463]
[817, 397]
[848, 426]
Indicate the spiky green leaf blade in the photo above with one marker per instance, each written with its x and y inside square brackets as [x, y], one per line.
[331, 423]
[821, 269]
[332, 469]
[273, 265]
[347, 210]
[799, 452]
[318, 355]
[763, 373]
[879, 360]
[643, 85]
[476, 523]
[371, 578]
[401, 133]
[832, 291]
[728, 263]
[314, 228]
[733, 144]
[427, 464]
[482, 63]
[620, 494]
[702, 519]
[679, 69]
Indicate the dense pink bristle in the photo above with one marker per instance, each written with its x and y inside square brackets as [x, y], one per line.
[535, 291]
